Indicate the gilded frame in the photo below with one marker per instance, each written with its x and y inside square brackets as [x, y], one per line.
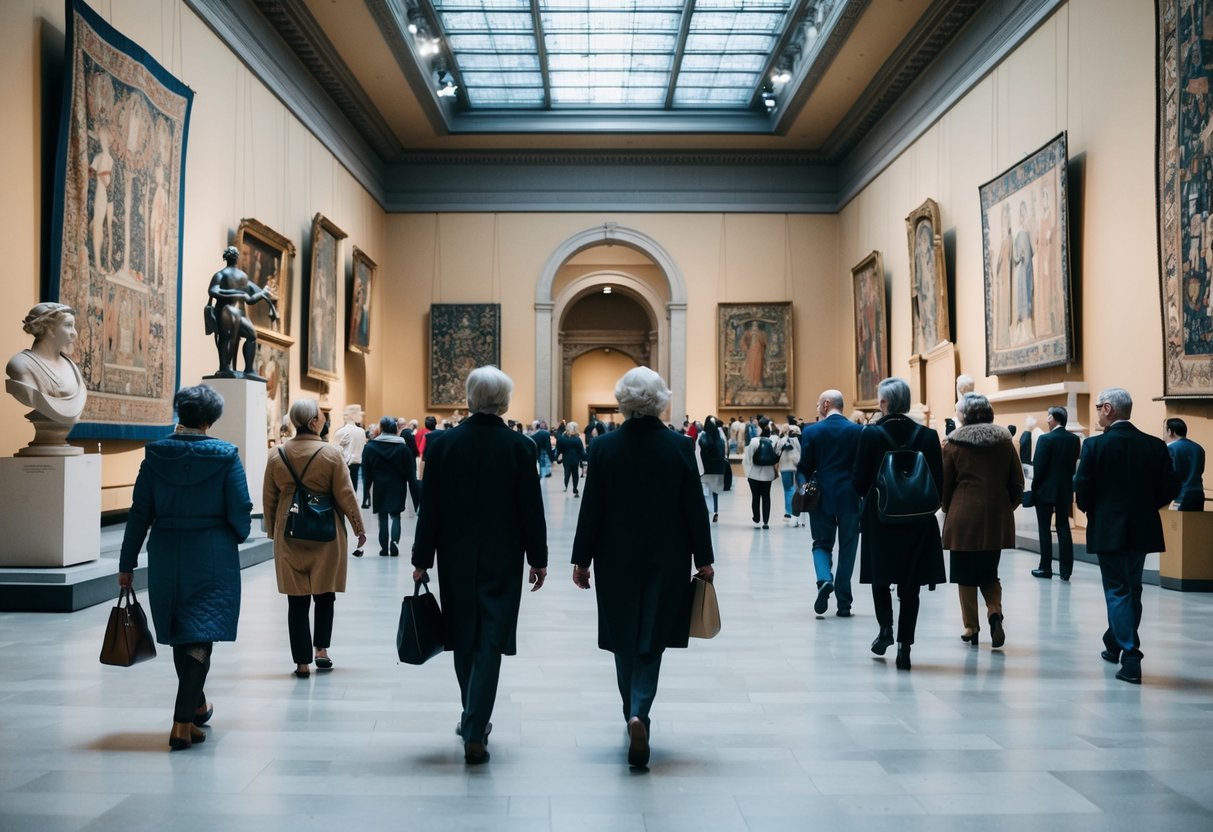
[267, 257]
[323, 324]
[928, 280]
[1026, 260]
[871, 329]
[362, 282]
[273, 363]
[754, 356]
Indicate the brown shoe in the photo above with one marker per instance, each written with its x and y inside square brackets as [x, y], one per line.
[184, 735]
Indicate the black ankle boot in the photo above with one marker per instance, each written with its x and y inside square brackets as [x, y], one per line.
[883, 641]
[903, 657]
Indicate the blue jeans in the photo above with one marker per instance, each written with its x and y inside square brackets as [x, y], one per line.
[788, 478]
[1122, 591]
[637, 678]
[389, 539]
[824, 527]
[545, 465]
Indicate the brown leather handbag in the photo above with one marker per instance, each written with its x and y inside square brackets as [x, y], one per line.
[128, 640]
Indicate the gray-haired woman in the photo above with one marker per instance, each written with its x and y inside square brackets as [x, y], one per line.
[642, 524]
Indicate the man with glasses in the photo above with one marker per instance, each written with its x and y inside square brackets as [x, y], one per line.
[1124, 477]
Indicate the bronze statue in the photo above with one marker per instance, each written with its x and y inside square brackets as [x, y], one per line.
[230, 290]
[45, 379]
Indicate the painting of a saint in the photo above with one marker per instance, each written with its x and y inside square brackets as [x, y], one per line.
[322, 299]
[871, 329]
[360, 302]
[1026, 259]
[929, 280]
[755, 355]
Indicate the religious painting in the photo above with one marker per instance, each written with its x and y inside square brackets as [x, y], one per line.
[361, 278]
[463, 336]
[871, 329]
[266, 257]
[1185, 195]
[1025, 244]
[928, 279]
[116, 227]
[322, 320]
[754, 355]
[273, 363]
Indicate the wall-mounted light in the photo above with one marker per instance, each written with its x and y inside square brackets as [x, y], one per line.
[606, 290]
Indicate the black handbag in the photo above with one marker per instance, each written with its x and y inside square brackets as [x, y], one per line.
[310, 516]
[1029, 501]
[127, 640]
[807, 496]
[419, 634]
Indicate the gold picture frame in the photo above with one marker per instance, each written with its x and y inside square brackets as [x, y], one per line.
[871, 329]
[267, 257]
[362, 280]
[322, 320]
[754, 356]
[928, 280]
[273, 363]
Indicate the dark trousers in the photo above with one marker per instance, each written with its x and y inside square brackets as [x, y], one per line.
[1065, 541]
[389, 537]
[637, 677]
[366, 492]
[477, 671]
[1121, 574]
[760, 498]
[907, 614]
[193, 662]
[355, 467]
[574, 472]
[297, 624]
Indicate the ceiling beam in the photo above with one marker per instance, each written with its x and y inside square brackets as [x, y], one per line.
[541, 52]
[791, 22]
[684, 29]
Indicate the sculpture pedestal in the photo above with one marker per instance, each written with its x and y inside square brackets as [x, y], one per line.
[1187, 564]
[52, 510]
[243, 424]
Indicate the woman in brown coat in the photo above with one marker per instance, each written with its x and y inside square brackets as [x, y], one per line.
[309, 570]
[982, 485]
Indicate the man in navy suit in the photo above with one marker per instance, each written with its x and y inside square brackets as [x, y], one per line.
[1124, 477]
[827, 449]
[543, 447]
[1053, 492]
[1189, 461]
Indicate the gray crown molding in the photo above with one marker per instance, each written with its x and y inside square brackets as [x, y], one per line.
[259, 46]
[994, 32]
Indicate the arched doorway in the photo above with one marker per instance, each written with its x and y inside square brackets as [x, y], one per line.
[604, 331]
[658, 286]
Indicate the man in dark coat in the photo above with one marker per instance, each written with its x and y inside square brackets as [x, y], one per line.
[389, 466]
[543, 448]
[643, 522]
[910, 556]
[1189, 461]
[1053, 492]
[481, 512]
[827, 450]
[1124, 477]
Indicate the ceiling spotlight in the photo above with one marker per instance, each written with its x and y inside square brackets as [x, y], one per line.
[770, 102]
[606, 290]
[448, 88]
[782, 76]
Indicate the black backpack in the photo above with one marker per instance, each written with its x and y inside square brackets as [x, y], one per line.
[905, 491]
[765, 453]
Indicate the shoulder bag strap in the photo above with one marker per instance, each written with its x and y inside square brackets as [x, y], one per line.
[298, 477]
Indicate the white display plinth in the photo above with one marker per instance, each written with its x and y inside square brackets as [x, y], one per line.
[243, 424]
[52, 510]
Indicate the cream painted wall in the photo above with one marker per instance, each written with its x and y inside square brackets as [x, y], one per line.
[594, 377]
[247, 157]
[1088, 70]
[722, 258]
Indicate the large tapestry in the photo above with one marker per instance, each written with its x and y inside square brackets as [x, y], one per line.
[463, 336]
[1024, 237]
[754, 355]
[1185, 194]
[117, 227]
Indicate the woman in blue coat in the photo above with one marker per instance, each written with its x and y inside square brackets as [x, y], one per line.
[192, 493]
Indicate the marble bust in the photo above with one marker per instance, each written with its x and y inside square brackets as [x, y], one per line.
[45, 379]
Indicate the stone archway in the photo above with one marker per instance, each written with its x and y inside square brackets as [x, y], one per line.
[670, 348]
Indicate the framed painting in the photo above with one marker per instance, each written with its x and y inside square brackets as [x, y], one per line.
[871, 329]
[754, 355]
[463, 336]
[362, 279]
[928, 279]
[322, 320]
[273, 363]
[1025, 245]
[266, 257]
[1185, 198]
[116, 229]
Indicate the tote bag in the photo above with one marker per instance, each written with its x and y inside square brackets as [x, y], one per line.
[419, 633]
[127, 639]
[705, 612]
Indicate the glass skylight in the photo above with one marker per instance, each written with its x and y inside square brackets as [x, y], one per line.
[586, 54]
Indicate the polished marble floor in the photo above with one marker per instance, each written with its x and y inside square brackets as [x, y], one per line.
[784, 722]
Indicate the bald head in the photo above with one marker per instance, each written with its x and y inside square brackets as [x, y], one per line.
[830, 401]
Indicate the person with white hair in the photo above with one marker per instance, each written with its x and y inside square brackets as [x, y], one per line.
[642, 525]
[351, 438]
[481, 514]
[570, 451]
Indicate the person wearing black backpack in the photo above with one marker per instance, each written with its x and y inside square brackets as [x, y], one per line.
[760, 463]
[907, 552]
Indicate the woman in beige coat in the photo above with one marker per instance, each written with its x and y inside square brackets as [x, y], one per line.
[308, 570]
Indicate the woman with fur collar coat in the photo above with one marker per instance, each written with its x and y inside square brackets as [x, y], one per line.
[982, 485]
